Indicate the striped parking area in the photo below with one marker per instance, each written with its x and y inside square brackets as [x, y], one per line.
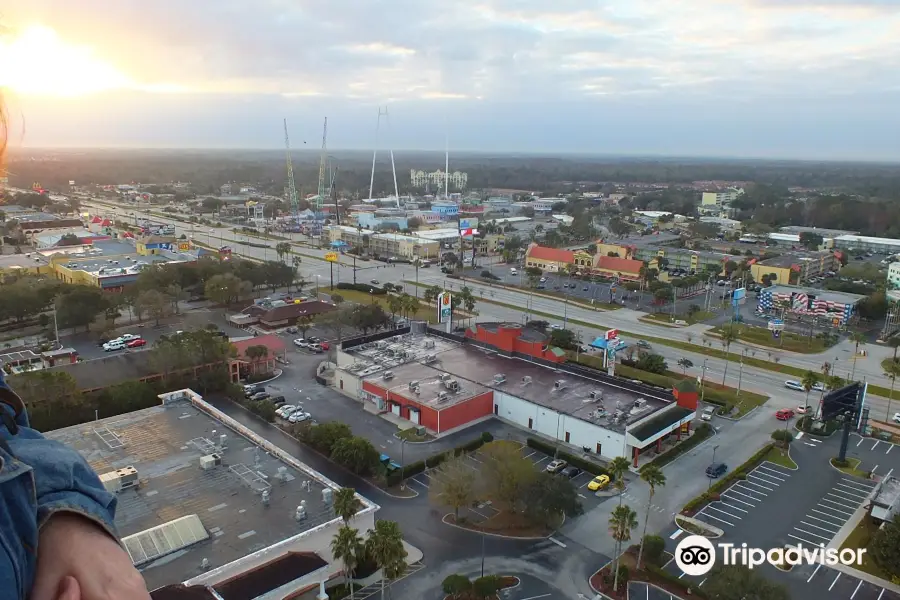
[744, 496]
[822, 522]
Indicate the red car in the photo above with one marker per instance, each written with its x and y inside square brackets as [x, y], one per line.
[325, 346]
[137, 343]
[784, 414]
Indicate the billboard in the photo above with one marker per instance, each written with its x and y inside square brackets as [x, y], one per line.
[331, 257]
[846, 402]
[611, 334]
[739, 297]
[445, 307]
[468, 223]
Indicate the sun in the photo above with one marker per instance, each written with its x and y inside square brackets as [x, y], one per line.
[38, 62]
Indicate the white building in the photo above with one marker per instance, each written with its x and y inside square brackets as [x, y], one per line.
[893, 276]
[420, 179]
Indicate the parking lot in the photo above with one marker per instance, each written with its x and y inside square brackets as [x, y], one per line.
[875, 455]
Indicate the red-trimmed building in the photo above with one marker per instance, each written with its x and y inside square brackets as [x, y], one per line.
[253, 364]
[552, 260]
[512, 337]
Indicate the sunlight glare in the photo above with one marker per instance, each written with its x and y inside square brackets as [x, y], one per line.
[38, 62]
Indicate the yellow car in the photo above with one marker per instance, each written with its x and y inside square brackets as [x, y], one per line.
[598, 483]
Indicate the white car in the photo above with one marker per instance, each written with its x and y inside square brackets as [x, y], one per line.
[896, 418]
[128, 337]
[301, 343]
[794, 385]
[286, 410]
[802, 410]
[543, 280]
[299, 416]
[556, 326]
[818, 387]
[114, 345]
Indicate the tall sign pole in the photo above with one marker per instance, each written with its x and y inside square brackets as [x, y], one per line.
[445, 310]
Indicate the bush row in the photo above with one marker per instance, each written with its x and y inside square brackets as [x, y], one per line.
[362, 287]
[703, 431]
[738, 474]
[419, 466]
[689, 588]
[576, 461]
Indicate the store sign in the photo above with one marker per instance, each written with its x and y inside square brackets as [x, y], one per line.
[331, 256]
[445, 307]
[184, 246]
[611, 334]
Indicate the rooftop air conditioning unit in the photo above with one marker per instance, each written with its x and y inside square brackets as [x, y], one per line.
[453, 385]
[210, 461]
[526, 380]
[559, 384]
[120, 479]
[442, 396]
[640, 403]
[596, 395]
[499, 378]
[430, 358]
[429, 344]
[387, 375]
[413, 384]
[445, 377]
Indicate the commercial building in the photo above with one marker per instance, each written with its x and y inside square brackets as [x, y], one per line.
[796, 267]
[437, 179]
[551, 260]
[554, 260]
[274, 314]
[893, 276]
[385, 244]
[793, 240]
[723, 223]
[719, 198]
[446, 210]
[827, 307]
[443, 382]
[205, 503]
[825, 233]
[869, 244]
[545, 205]
[30, 263]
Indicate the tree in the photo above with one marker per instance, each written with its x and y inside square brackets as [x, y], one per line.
[685, 364]
[506, 473]
[563, 338]
[409, 305]
[654, 478]
[154, 304]
[734, 582]
[617, 468]
[52, 398]
[176, 294]
[395, 305]
[885, 547]
[337, 321]
[323, 437]
[456, 585]
[224, 289]
[79, 305]
[453, 485]
[466, 299]
[282, 249]
[652, 363]
[357, 454]
[809, 381]
[729, 335]
[550, 496]
[345, 547]
[810, 240]
[304, 324]
[369, 317]
[783, 437]
[345, 504]
[431, 294]
[622, 521]
[385, 546]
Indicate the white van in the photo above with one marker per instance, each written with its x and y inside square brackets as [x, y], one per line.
[113, 345]
[513, 271]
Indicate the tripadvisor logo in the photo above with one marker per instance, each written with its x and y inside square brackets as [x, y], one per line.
[696, 555]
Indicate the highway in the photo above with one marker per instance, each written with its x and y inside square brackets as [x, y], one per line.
[318, 272]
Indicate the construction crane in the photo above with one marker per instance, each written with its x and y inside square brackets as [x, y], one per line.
[292, 189]
[320, 198]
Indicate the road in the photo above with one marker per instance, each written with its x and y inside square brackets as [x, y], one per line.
[319, 273]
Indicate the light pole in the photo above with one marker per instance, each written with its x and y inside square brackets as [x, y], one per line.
[709, 485]
[318, 277]
[703, 379]
[741, 372]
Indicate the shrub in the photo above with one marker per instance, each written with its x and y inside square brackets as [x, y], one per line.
[576, 461]
[362, 287]
[486, 587]
[783, 436]
[323, 437]
[456, 584]
[654, 546]
[356, 453]
[689, 588]
[703, 431]
[487, 437]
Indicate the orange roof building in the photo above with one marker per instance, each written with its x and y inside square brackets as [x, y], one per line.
[548, 259]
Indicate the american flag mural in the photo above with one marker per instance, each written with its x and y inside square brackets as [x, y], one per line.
[804, 304]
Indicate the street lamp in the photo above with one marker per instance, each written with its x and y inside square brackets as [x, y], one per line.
[716, 447]
[318, 277]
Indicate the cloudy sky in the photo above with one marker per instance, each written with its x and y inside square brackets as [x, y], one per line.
[762, 78]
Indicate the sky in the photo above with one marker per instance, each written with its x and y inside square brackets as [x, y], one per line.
[808, 79]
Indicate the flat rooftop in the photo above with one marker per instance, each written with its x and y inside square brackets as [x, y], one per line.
[165, 444]
[827, 295]
[788, 259]
[825, 233]
[478, 370]
[23, 261]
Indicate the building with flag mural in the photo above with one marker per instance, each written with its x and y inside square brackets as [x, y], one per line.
[828, 307]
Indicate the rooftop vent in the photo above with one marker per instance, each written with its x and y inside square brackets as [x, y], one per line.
[596, 395]
[559, 384]
[526, 380]
[442, 396]
[430, 358]
[499, 378]
[445, 377]
[387, 375]
[413, 384]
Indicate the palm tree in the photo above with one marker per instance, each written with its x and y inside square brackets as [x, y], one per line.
[385, 546]
[810, 379]
[894, 343]
[728, 336]
[654, 477]
[617, 468]
[282, 249]
[859, 339]
[345, 547]
[685, 364]
[621, 522]
[891, 371]
[345, 504]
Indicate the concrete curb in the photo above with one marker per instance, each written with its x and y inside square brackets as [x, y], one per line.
[278, 373]
[397, 435]
[500, 535]
[538, 294]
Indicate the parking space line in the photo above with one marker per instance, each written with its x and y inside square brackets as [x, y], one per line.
[791, 535]
[849, 506]
[861, 440]
[717, 518]
[766, 478]
[724, 512]
[736, 500]
[856, 497]
[846, 496]
[891, 447]
[861, 486]
[532, 453]
[585, 483]
[748, 482]
[880, 593]
[743, 510]
[827, 539]
[818, 566]
[835, 581]
[875, 445]
[843, 520]
[764, 469]
[838, 525]
[676, 534]
[734, 491]
[540, 460]
[843, 512]
[476, 460]
[856, 590]
[818, 527]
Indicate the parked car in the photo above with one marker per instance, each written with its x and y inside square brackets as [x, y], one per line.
[708, 413]
[556, 326]
[896, 418]
[137, 343]
[260, 396]
[299, 417]
[301, 343]
[643, 344]
[570, 472]
[317, 348]
[374, 282]
[251, 389]
[794, 385]
[277, 400]
[325, 346]
[598, 483]
[784, 414]
[802, 410]
[292, 329]
[285, 410]
[716, 470]
[113, 346]
[818, 387]
[556, 466]
[127, 337]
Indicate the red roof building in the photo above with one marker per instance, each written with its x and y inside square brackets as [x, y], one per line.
[548, 259]
[259, 364]
[613, 266]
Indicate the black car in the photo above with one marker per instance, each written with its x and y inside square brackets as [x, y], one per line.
[260, 396]
[277, 400]
[570, 472]
[249, 390]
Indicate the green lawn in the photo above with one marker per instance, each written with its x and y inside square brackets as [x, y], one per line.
[886, 363]
[423, 314]
[851, 468]
[790, 342]
[410, 435]
[666, 318]
[861, 537]
[781, 457]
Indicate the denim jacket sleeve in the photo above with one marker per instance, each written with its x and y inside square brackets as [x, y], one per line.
[40, 478]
